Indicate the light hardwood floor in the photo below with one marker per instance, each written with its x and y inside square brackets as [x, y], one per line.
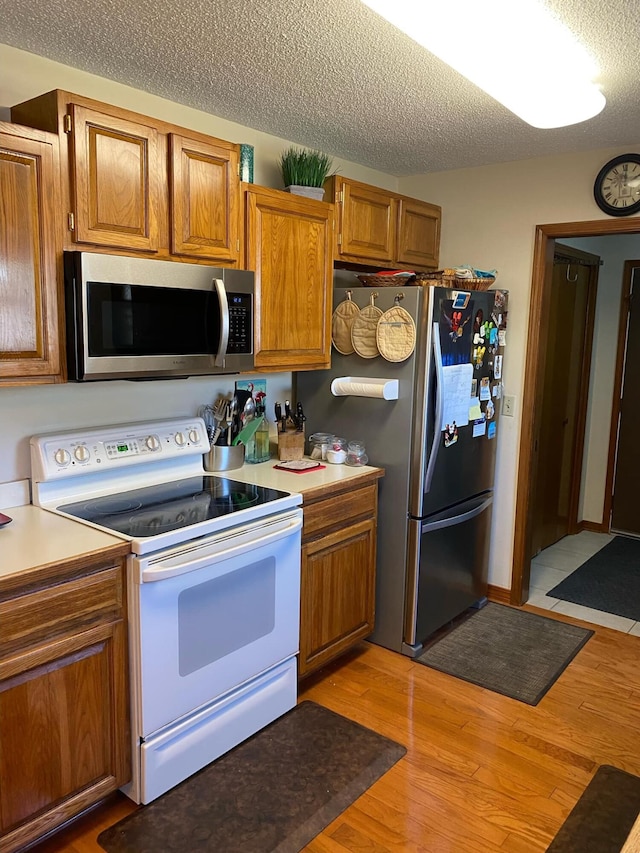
[482, 773]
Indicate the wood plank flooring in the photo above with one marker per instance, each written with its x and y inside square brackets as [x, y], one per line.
[482, 773]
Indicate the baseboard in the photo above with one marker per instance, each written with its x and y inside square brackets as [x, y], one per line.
[593, 526]
[499, 594]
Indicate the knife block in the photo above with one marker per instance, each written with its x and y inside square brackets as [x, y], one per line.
[290, 445]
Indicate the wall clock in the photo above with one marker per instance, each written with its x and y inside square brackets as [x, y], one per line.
[617, 186]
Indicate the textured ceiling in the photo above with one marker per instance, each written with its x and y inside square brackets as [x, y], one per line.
[331, 74]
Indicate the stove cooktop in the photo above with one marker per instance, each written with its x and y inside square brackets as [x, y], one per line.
[152, 510]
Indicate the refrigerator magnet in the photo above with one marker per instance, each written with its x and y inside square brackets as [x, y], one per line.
[489, 410]
[497, 367]
[479, 427]
[450, 434]
[485, 390]
[502, 337]
[491, 431]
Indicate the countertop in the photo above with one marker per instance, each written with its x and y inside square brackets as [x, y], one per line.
[264, 474]
[37, 538]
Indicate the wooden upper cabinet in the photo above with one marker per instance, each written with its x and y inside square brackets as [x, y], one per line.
[366, 228]
[115, 168]
[380, 228]
[418, 233]
[138, 184]
[205, 199]
[29, 238]
[288, 241]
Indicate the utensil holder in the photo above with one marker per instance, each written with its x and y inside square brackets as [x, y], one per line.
[224, 458]
[290, 445]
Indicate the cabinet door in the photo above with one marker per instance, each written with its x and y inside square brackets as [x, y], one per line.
[418, 234]
[288, 243]
[29, 193]
[205, 200]
[337, 593]
[115, 167]
[64, 741]
[367, 223]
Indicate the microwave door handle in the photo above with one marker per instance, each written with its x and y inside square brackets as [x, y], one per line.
[224, 322]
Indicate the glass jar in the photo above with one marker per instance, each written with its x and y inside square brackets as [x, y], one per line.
[356, 454]
[258, 449]
[319, 444]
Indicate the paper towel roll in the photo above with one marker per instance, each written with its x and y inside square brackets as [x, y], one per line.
[362, 386]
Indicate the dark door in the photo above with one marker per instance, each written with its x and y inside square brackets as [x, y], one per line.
[625, 517]
[564, 397]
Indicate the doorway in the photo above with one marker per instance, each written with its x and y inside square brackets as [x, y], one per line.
[565, 393]
[624, 448]
[540, 306]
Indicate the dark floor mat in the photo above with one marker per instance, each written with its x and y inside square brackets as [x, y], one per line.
[608, 581]
[509, 651]
[271, 794]
[603, 816]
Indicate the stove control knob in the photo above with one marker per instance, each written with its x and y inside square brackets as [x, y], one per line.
[194, 436]
[81, 453]
[152, 442]
[180, 439]
[62, 456]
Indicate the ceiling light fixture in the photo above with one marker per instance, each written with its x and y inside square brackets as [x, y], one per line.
[517, 52]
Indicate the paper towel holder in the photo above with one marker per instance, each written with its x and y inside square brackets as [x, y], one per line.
[364, 386]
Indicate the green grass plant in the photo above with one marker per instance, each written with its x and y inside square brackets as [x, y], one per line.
[304, 167]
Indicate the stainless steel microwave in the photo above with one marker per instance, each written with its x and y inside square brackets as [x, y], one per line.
[141, 318]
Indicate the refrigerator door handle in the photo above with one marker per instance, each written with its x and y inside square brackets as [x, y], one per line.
[437, 423]
[457, 519]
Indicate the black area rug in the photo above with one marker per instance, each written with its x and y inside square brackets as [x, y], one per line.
[271, 794]
[602, 818]
[509, 651]
[608, 581]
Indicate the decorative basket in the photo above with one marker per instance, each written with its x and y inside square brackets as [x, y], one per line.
[373, 280]
[448, 278]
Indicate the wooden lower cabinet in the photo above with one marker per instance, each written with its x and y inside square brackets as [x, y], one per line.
[64, 709]
[337, 591]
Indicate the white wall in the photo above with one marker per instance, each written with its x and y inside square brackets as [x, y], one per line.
[489, 216]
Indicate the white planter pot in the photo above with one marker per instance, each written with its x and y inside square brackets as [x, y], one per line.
[309, 192]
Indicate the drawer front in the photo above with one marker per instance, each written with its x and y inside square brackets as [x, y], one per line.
[339, 510]
[28, 620]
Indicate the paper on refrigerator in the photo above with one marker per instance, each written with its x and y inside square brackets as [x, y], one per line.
[456, 380]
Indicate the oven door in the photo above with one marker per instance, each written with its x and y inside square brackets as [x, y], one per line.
[210, 615]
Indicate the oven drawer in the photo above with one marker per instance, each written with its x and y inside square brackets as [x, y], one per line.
[197, 741]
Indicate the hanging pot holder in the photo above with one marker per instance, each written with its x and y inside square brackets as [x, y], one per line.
[363, 331]
[341, 323]
[396, 333]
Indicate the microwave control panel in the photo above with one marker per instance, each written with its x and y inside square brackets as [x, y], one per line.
[240, 323]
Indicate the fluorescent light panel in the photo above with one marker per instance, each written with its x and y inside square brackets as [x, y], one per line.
[515, 50]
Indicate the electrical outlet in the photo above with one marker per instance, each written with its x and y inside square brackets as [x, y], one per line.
[508, 405]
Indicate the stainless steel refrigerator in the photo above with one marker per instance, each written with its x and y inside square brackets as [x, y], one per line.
[437, 444]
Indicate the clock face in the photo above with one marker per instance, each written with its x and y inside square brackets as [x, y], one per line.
[617, 186]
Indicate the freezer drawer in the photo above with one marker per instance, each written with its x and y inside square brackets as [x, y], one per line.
[448, 567]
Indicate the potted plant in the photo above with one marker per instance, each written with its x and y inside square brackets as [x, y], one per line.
[304, 171]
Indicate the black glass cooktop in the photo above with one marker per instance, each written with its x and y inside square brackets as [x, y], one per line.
[169, 506]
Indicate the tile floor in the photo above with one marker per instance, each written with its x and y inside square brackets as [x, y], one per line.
[556, 562]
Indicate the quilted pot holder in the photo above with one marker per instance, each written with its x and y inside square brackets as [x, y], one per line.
[363, 331]
[396, 334]
[341, 323]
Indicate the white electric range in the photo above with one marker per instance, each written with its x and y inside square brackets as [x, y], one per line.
[213, 584]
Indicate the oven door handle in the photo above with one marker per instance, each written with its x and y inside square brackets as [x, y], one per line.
[224, 322]
[219, 550]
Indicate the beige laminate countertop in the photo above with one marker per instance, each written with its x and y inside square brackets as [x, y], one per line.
[264, 474]
[37, 538]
